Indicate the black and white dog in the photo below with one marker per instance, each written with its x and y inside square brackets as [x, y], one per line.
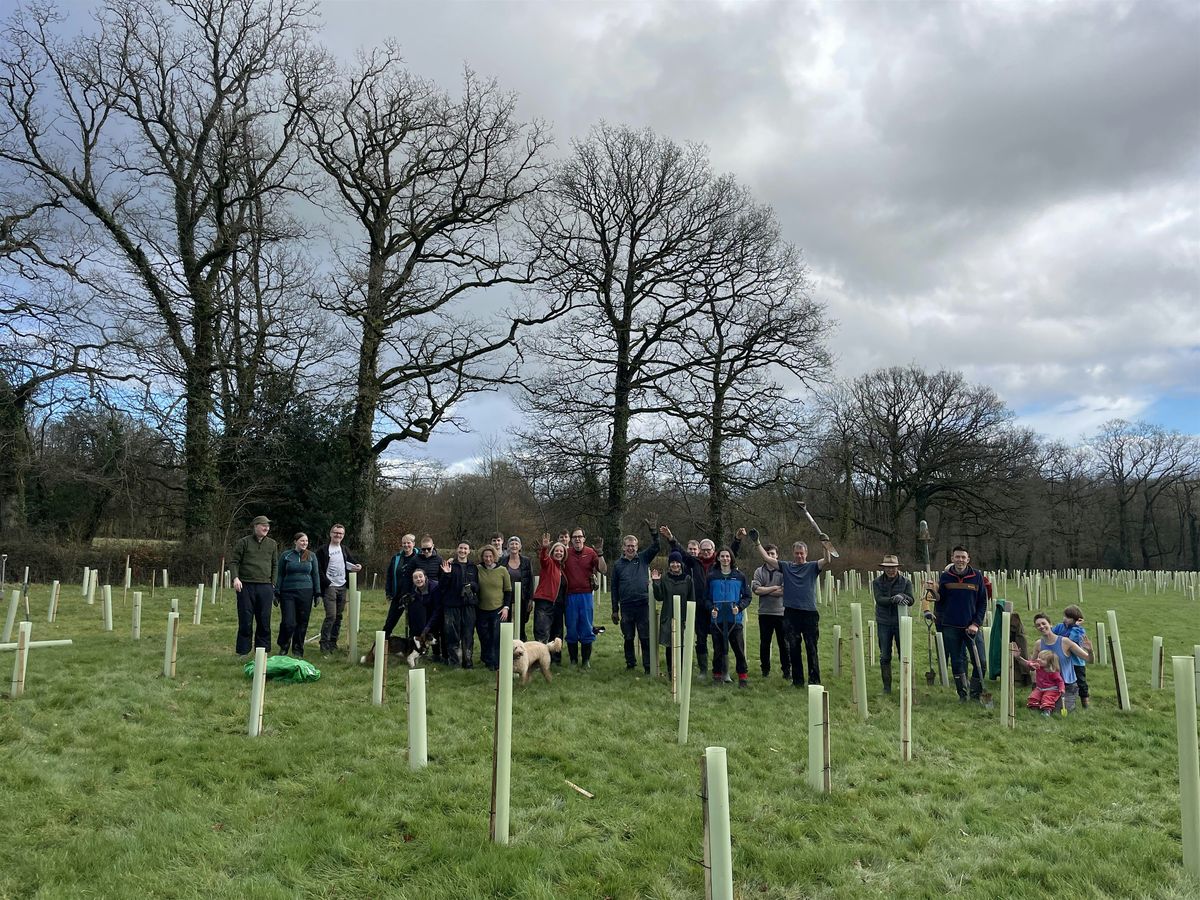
[412, 649]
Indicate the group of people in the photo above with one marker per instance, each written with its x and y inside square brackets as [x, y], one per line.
[956, 604]
[450, 602]
[294, 581]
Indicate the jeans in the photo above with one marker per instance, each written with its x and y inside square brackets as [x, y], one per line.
[803, 631]
[726, 635]
[294, 609]
[487, 624]
[334, 599]
[768, 627]
[459, 627]
[548, 623]
[254, 614]
[888, 634]
[957, 643]
[635, 619]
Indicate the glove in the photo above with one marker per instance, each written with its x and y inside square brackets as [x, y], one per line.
[753, 534]
[902, 600]
[823, 537]
[928, 616]
[275, 601]
[616, 617]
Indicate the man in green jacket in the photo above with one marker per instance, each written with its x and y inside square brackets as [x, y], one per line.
[252, 564]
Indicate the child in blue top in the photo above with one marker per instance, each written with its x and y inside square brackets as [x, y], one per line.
[1072, 627]
[728, 596]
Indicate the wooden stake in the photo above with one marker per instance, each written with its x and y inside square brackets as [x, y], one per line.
[576, 787]
[1118, 662]
[837, 651]
[1156, 663]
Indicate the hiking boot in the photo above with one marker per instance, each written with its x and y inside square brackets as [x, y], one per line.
[743, 682]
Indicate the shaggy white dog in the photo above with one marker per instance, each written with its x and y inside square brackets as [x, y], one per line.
[527, 654]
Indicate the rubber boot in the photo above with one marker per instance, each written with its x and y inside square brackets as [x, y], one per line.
[586, 650]
[885, 669]
[573, 650]
[702, 659]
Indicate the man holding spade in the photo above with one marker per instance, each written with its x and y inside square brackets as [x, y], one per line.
[960, 602]
[801, 621]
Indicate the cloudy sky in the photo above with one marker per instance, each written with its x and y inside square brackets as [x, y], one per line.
[1010, 189]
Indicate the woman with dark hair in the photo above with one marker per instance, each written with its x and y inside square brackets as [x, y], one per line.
[297, 583]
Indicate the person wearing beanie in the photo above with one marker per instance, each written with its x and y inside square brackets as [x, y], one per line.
[675, 582]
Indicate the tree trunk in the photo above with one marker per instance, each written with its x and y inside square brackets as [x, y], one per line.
[362, 440]
[200, 484]
[716, 478]
[15, 456]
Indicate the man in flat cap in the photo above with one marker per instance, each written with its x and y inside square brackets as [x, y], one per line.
[252, 565]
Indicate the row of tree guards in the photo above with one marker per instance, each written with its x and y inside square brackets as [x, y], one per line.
[1038, 587]
[714, 773]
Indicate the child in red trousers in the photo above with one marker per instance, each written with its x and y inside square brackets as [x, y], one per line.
[1047, 682]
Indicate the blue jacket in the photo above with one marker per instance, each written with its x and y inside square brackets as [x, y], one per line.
[725, 592]
[1074, 633]
[962, 599]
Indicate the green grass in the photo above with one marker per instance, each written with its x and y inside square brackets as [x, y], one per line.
[118, 783]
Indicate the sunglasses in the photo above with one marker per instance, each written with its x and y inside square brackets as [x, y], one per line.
[426, 549]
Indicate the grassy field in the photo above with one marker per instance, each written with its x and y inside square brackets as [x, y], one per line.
[119, 783]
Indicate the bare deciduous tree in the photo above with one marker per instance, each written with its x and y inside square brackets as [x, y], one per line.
[431, 185]
[138, 126]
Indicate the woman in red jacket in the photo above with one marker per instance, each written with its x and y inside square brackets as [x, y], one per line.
[550, 595]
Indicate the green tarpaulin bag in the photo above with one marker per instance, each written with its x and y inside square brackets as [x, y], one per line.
[284, 668]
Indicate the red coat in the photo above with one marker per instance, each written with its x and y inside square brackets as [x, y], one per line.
[549, 578]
